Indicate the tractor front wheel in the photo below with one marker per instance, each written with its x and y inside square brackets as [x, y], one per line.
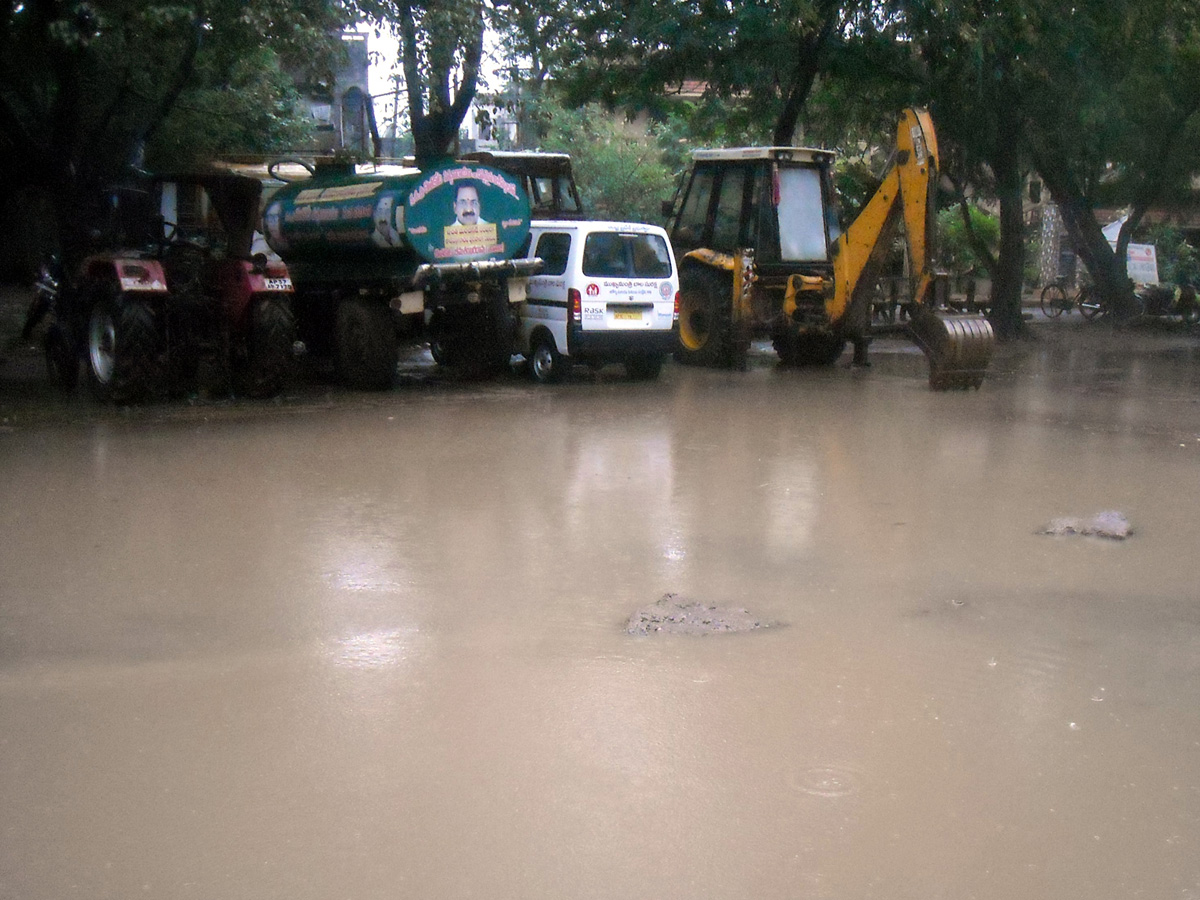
[62, 358]
[262, 369]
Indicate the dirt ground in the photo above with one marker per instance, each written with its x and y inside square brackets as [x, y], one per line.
[382, 645]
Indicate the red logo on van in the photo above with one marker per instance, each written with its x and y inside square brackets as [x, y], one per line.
[593, 290]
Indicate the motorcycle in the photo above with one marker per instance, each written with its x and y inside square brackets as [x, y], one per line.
[1162, 300]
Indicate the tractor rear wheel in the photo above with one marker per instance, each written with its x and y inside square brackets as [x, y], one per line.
[124, 349]
[705, 317]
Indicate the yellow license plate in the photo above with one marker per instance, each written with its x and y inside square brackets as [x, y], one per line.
[628, 314]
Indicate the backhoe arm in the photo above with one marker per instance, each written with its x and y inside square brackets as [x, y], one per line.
[958, 347]
[905, 193]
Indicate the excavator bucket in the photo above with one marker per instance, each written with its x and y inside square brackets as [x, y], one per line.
[958, 347]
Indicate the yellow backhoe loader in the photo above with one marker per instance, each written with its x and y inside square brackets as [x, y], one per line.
[761, 253]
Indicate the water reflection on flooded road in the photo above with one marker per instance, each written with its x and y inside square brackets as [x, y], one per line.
[375, 647]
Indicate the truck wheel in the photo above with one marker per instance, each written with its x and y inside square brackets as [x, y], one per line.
[644, 367]
[546, 364]
[264, 367]
[705, 311]
[366, 344]
[810, 349]
[124, 352]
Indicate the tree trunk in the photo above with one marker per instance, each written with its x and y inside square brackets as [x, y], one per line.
[1009, 276]
[1112, 285]
[804, 72]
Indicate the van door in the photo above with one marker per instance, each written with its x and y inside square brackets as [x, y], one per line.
[546, 299]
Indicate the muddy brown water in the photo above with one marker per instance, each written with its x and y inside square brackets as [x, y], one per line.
[373, 646]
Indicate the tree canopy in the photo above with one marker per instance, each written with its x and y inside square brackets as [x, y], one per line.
[89, 88]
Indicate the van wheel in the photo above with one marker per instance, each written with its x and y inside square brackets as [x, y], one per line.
[644, 367]
[545, 362]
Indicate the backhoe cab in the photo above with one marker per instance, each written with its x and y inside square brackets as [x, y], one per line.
[761, 253]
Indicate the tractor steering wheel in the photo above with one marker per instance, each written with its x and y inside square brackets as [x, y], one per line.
[273, 169]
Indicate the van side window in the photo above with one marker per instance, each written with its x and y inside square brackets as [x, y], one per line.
[554, 247]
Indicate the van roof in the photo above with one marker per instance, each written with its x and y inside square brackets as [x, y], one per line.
[593, 225]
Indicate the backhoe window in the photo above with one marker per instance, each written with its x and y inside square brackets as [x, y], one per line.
[801, 215]
[690, 231]
[729, 210]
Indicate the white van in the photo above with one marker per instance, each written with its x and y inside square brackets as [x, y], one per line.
[607, 292]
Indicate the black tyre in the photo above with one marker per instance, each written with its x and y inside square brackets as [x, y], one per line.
[644, 366]
[263, 367]
[546, 364]
[809, 349]
[1054, 301]
[1189, 313]
[705, 317]
[366, 349]
[124, 348]
[475, 339]
[442, 353]
[62, 358]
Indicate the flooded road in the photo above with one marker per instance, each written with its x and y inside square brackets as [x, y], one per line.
[374, 646]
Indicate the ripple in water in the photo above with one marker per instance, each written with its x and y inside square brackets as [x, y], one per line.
[826, 781]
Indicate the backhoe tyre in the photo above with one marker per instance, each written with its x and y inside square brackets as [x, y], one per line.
[1054, 301]
[62, 358]
[1189, 313]
[546, 364]
[644, 366]
[366, 350]
[263, 368]
[124, 348]
[705, 317]
[817, 348]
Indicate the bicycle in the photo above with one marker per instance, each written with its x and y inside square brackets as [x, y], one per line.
[1056, 300]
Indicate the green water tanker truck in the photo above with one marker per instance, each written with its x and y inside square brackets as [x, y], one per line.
[396, 251]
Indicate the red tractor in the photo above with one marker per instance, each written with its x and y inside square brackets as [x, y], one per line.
[182, 287]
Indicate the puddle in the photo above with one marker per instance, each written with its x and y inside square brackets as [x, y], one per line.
[678, 615]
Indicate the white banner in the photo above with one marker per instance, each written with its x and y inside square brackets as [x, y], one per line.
[1141, 264]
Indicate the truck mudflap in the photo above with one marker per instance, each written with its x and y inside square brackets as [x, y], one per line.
[435, 274]
[957, 346]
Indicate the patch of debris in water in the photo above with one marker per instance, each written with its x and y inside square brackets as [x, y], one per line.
[1108, 524]
[677, 615]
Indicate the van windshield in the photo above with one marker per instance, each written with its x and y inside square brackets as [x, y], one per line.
[609, 255]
